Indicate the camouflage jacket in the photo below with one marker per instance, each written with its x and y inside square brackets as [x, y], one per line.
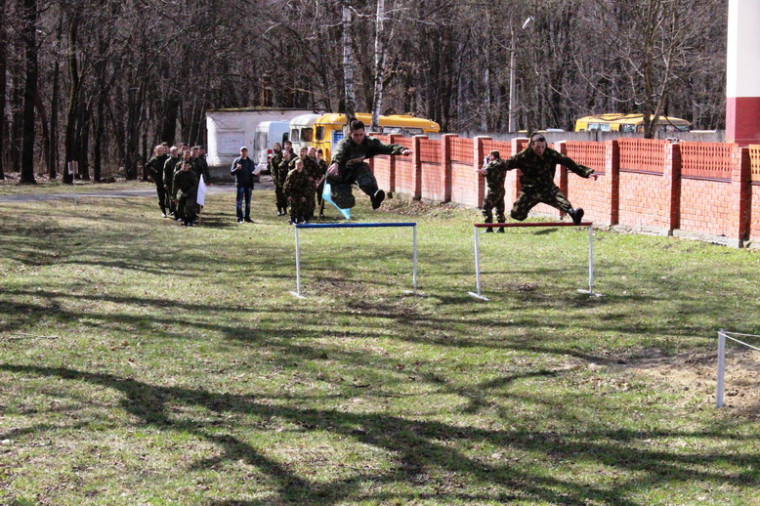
[297, 183]
[274, 162]
[311, 166]
[539, 172]
[348, 152]
[281, 171]
[497, 173]
[185, 184]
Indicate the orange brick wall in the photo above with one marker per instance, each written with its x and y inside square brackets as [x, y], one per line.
[406, 176]
[705, 207]
[640, 184]
[464, 185]
[643, 201]
[754, 225]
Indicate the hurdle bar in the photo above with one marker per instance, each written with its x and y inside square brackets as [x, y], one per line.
[588, 224]
[299, 226]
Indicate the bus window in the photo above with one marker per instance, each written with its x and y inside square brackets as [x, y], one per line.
[627, 128]
[307, 134]
[320, 133]
[294, 133]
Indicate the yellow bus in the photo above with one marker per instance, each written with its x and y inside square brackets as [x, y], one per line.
[328, 128]
[618, 122]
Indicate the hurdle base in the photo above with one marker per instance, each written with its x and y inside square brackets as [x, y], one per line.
[297, 295]
[478, 296]
[590, 293]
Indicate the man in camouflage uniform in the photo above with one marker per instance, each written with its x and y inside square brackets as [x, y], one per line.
[322, 164]
[278, 176]
[297, 188]
[155, 168]
[312, 169]
[168, 176]
[273, 166]
[348, 166]
[495, 172]
[538, 163]
[184, 190]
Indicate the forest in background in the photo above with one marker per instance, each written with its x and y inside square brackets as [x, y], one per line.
[99, 82]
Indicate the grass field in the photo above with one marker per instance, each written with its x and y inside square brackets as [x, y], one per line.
[147, 363]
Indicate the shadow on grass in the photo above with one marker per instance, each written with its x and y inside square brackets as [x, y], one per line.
[423, 445]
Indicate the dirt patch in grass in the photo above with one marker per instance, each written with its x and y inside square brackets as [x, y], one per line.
[696, 373]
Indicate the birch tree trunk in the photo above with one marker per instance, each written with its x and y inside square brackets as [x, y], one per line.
[377, 101]
[348, 64]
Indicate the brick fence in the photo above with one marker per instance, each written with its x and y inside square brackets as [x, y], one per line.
[699, 190]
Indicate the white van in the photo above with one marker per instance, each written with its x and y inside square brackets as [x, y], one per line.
[267, 134]
[302, 131]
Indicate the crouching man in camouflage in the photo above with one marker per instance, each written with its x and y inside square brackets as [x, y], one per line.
[495, 172]
[538, 164]
[348, 166]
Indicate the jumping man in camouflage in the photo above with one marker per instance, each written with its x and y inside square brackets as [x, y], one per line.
[538, 164]
[348, 165]
[495, 172]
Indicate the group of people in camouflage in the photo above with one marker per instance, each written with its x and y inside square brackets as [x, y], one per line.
[299, 181]
[176, 171]
[537, 164]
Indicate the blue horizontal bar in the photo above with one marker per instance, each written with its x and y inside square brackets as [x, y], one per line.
[353, 225]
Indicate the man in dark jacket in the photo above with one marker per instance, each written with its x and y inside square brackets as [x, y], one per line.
[348, 165]
[243, 169]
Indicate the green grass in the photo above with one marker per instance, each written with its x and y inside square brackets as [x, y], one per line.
[147, 363]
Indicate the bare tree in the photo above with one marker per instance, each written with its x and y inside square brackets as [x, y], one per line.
[30, 89]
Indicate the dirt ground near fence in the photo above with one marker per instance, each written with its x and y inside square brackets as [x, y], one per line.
[695, 375]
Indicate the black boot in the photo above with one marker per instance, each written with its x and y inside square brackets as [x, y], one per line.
[576, 215]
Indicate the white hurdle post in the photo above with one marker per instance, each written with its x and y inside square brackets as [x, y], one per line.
[588, 224]
[721, 368]
[298, 294]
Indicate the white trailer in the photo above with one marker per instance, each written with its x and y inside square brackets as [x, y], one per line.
[229, 129]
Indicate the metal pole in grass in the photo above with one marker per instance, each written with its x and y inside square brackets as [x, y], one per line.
[590, 263]
[297, 293]
[477, 268]
[721, 368]
[414, 258]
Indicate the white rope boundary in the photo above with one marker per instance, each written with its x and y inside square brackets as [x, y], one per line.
[722, 336]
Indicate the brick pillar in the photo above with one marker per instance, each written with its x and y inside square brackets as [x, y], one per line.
[671, 174]
[561, 146]
[417, 166]
[513, 176]
[740, 196]
[446, 164]
[611, 180]
[479, 155]
[392, 167]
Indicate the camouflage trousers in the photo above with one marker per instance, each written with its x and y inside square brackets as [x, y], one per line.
[529, 197]
[358, 173]
[279, 195]
[494, 199]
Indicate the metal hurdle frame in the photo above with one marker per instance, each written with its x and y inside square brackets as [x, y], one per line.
[588, 224]
[723, 335]
[297, 293]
